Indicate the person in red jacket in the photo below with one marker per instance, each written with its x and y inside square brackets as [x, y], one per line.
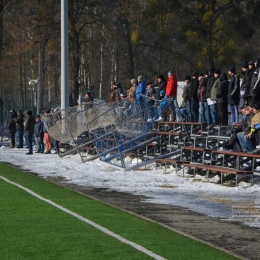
[171, 88]
[171, 92]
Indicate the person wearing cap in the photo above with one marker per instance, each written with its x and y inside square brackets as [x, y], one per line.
[234, 93]
[244, 88]
[38, 133]
[171, 92]
[210, 83]
[194, 97]
[29, 130]
[186, 98]
[254, 82]
[213, 97]
[12, 127]
[19, 120]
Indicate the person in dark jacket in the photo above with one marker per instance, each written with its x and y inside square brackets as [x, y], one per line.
[162, 83]
[222, 102]
[186, 97]
[46, 136]
[210, 83]
[38, 133]
[29, 130]
[234, 93]
[12, 127]
[88, 100]
[194, 97]
[20, 128]
[251, 69]
[203, 105]
[245, 87]
[254, 79]
[256, 87]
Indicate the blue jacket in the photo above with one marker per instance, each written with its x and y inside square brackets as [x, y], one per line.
[163, 101]
[141, 89]
[38, 129]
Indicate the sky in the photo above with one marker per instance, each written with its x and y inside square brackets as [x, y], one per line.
[171, 188]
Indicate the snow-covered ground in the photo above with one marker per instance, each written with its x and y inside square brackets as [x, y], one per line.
[172, 189]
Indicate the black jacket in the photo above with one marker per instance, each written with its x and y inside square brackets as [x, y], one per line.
[194, 89]
[222, 92]
[245, 85]
[19, 122]
[186, 91]
[253, 80]
[234, 90]
[29, 124]
[210, 83]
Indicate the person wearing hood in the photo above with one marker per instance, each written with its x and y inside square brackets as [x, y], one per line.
[222, 101]
[234, 93]
[20, 128]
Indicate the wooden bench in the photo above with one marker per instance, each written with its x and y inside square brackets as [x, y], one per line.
[222, 170]
[169, 161]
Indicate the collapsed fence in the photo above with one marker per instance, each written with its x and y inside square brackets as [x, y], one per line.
[111, 132]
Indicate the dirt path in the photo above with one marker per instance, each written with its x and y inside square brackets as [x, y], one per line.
[235, 237]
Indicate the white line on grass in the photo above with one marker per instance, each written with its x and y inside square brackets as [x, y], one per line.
[105, 230]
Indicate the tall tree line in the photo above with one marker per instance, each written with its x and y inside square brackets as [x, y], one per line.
[117, 40]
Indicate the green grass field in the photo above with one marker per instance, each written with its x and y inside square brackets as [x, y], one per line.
[33, 229]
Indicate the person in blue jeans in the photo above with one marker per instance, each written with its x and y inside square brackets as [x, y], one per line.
[38, 133]
[29, 130]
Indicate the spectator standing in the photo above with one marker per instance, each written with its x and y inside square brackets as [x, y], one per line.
[194, 97]
[150, 92]
[162, 83]
[254, 125]
[140, 93]
[210, 83]
[222, 99]
[12, 127]
[46, 136]
[234, 93]
[171, 92]
[203, 105]
[256, 88]
[114, 96]
[253, 82]
[186, 97]
[29, 130]
[38, 133]
[20, 128]
[245, 87]
[213, 97]
[88, 100]
[251, 70]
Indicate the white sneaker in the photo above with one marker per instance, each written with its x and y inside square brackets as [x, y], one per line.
[160, 119]
[149, 120]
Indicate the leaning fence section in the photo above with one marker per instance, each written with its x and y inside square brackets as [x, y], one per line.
[124, 128]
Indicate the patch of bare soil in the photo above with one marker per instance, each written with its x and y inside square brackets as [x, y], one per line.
[234, 237]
